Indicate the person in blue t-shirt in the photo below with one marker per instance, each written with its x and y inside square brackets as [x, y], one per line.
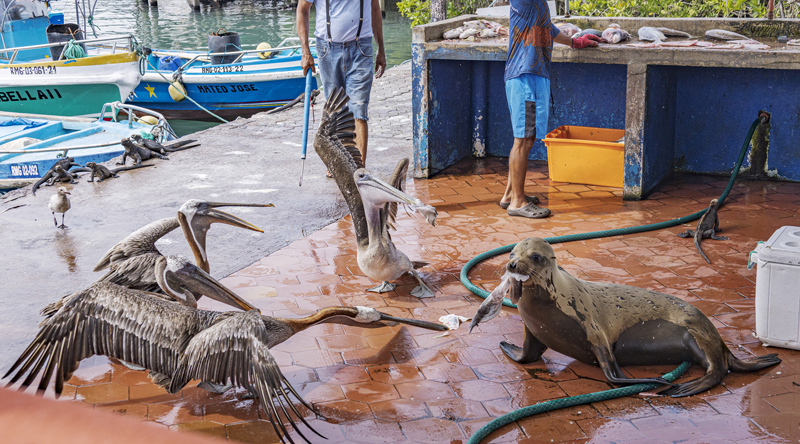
[527, 77]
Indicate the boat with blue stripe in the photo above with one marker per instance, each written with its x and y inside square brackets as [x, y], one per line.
[31, 144]
[257, 80]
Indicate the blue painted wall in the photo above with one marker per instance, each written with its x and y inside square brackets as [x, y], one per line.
[715, 107]
[659, 127]
[450, 108]
[583, 95]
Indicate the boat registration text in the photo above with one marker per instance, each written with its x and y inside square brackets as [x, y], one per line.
[25, 170]
[219, 69]
[33, 70]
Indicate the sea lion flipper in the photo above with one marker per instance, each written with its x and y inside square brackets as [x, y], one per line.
[612, 372]
[530, 351]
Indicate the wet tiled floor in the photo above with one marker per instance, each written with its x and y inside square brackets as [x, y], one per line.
[406, 384]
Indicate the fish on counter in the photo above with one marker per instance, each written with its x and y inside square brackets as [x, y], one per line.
[650, 34]
[615, 35]
[568, 29]
[744, 42]
[674, 33]
[793, 42]
[681, 44]
[643, 45]
[726, 46]
[593, 32]
[476, 29]
[704, 44]
[760, 47]
[721, 34]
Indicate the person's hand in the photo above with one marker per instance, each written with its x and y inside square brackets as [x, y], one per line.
[585, 41]
[380, 64]
[306, 62]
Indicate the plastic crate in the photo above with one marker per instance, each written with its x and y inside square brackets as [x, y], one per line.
[778, 288]
[582, 154]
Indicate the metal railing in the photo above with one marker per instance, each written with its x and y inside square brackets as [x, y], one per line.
[241, 53]
[130, 37]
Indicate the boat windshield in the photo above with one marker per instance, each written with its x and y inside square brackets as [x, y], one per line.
[23, 9]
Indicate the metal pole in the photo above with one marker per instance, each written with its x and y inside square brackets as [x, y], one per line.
[438, 10]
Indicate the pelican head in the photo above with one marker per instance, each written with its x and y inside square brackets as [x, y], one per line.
[375, 192]
[196, 217]
[186, 283]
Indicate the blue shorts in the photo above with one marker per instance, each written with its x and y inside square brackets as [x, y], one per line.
[529, 102]
[347, 65]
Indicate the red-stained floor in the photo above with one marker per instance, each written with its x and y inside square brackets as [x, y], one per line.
[407, 384]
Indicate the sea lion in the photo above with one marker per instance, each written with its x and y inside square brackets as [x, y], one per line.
[609, 325]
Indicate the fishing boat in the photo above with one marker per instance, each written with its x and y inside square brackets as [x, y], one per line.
[255, 81]
[31, 144]
[66, 77]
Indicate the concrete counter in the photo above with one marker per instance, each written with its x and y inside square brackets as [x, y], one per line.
[684, 109]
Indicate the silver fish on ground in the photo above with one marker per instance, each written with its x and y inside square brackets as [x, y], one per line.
[674, 33]
[650, 34]
[568, 29]
[615, 35]
[793, 42]
[721, 34]
[593, 32]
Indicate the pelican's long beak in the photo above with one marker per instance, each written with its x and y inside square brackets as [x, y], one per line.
[369, 180]
[195, 229]
[414, 322]
[200, 283]
[225, 218]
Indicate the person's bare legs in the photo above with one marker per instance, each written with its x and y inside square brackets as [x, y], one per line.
[517, 171]
[362, 134]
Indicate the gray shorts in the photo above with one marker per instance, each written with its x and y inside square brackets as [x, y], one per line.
[347, 65]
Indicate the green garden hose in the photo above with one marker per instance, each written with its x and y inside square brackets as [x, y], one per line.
[607, 394]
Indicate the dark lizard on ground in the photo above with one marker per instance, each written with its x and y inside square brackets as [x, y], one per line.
[137, 153]
[294, 102]
[65, 163]
[707, 227]
[102, 173]
[62, 175]
[153, 145]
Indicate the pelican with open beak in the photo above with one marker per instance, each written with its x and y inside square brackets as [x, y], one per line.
[372, 202]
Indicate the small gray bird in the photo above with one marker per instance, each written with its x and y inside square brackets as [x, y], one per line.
[59, 203]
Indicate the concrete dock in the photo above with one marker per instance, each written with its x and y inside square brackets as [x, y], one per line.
[255, 160]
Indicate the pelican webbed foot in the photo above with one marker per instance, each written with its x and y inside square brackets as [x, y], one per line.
[421, 291]
[385, 287]
[214, 388]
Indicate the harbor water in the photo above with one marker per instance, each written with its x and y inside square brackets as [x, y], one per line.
[174, 25]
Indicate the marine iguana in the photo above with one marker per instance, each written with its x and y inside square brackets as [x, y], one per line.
[137, 153]
[102, 173]
[62, 175]
[707, 227]
[65, 163]
[294, 102]
[153, 145]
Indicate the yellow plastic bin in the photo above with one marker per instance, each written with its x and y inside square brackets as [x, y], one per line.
[582, 154]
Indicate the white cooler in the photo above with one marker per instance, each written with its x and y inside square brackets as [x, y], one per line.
[778, 288]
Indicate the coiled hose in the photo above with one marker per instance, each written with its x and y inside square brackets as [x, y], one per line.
[607, 394]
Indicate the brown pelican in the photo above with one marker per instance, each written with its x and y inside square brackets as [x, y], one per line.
[59, 203]
[178, 342]
[131, 262]
[372, 202]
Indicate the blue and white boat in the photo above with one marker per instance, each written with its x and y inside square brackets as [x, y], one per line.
[31, 144]
[248, 85]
